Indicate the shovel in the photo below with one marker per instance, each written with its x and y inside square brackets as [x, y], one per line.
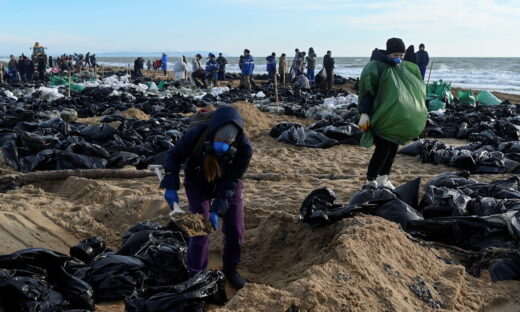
[157, 169]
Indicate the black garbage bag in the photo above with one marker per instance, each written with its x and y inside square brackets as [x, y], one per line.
[300, 136]
[505, 268]
[11, 157]
[99, 133]
[139, 227]
[114, 277]
[463, 159]
[474, 233]
[204, 287]
[412, 149]
[280, 128]
[121, 159]
[48, 265]
[80, 146]
[36, 143]
[486, 206]
[370, 195]
[347, 134]
[88, 249]
[397, 211]
[444, 202]
[316, 206]
[409, 193]
[21, 291]
[165, 260]
[451, 180]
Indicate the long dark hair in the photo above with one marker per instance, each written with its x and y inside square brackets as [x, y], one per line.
[212, 168]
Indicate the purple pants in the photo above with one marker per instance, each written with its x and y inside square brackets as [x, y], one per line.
[233, 229]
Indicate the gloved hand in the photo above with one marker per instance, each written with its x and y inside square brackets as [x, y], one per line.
[171, 197]
[213, 219]
[220, 206]
[364, 122]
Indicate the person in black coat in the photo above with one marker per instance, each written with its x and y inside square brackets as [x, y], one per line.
[28, 69]
[216, 155]
[422, 59]
[328, 64]
[21, 67]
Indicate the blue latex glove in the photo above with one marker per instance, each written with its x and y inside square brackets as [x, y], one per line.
[213, 219]
[171, 197]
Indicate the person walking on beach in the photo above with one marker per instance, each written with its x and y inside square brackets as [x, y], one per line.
[164, 63]
[311, 64]
[149, 64]
[215, 154]
[282, 68]
[221, 60]
[271, 66]
[422, 60]
[197, 63]
[21, 67]
[212, 69]
[93, 60]
[391, 97]
[328, 64]
[28, 69]
[41, 67]
[12, 68]
[247, 69]
[87, 60]
[295, 62]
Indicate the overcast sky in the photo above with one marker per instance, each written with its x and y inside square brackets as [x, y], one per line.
[349, 28]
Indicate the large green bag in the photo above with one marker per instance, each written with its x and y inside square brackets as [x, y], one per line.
[436, 104]
[487, 98]
[399, 112]
[439, 89]
[466, 98]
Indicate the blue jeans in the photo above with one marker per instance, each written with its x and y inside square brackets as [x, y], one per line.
[310, 74]
[422, 68]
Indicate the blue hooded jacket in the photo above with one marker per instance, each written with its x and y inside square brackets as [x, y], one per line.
[212, 68]
[233, 167]
[164, 62]
[271, 63]
[248, 65]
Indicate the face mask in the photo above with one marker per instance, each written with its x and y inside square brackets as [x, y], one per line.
[397, 60]
[220, 148]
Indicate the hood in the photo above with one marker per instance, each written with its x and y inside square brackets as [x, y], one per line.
[381, 56]
[222, 116]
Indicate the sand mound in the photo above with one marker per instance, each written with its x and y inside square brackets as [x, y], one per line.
[254, 119]
[135, 113]
[359, 264]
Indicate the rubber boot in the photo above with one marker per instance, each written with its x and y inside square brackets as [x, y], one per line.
[234, 278]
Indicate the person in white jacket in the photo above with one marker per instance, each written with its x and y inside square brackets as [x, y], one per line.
[181, 68]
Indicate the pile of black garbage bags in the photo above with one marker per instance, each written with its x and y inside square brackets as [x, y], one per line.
[455, 210]
[331, 129]
[503, 157]
[148, 272]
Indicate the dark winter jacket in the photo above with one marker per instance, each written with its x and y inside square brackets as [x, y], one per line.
[410, 55]
[271, 63]
[222, 63]
[328, 62]
[233, 167]
[422, 58]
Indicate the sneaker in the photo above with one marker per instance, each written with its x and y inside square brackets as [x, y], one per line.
[235, 279]
[384, 182]
[370, 184]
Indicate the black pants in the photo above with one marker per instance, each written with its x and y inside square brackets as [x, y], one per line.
[382, 159]
[330, 79]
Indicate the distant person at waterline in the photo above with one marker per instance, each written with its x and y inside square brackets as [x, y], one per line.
[221, 60]
[422, 59]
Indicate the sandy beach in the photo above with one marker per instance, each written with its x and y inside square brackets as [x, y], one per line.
[361, 264]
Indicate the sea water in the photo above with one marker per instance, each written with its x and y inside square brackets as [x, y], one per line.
[492, 74]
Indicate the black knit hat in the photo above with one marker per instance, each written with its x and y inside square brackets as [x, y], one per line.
[395, 45]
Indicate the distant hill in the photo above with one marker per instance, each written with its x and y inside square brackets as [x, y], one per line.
[156, 54]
